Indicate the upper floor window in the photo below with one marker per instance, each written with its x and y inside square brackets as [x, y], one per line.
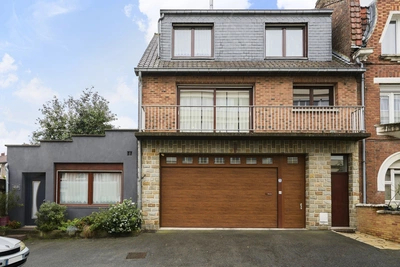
[285, 41]
[390, 105]
[312, 96]
[207, 110]
[390, 42]
[192, 41]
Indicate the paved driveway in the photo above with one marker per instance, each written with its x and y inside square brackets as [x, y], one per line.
[213, 248]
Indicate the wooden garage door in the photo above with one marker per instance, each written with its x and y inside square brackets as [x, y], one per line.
[253, 192]
[219, 197]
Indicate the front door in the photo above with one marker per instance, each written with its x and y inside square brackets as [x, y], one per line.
[34, 195]
[340, 192]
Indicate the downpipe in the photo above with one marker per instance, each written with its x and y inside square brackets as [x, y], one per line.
[363, 146]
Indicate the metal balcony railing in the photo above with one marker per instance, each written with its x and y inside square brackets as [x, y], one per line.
[257, 119]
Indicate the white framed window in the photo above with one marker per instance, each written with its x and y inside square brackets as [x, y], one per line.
[390, 104]
[192, 41]
[390, 38]
[392, 183]
[285, 41]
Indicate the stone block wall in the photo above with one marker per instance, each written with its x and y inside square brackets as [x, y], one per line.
[318, 175]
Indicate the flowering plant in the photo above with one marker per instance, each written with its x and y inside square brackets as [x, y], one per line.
[123, 217]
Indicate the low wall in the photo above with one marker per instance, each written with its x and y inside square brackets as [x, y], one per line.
[374, 220]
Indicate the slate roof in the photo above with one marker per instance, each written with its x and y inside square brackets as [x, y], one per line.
[150, 62]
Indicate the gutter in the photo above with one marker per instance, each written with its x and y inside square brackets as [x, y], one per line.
[247, 70]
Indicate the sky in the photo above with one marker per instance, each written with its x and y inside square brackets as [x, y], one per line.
[60, 47]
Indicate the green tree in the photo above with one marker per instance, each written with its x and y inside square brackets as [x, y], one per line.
[88, 114]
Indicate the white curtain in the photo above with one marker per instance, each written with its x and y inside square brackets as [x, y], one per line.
[384, 109]
[196, 110]
[202, 42]
[106, 188]
[294, 42]
[396, 108]
[273, 42]
[232, 111]
[389, 41]
[182, 42]
[74, 188]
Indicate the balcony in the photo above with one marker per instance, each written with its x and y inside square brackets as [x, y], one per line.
[389, 129]
[264, 121]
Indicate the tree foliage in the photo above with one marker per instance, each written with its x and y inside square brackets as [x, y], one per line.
[89, 114]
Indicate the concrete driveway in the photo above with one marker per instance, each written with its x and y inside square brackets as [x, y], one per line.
[213, 248]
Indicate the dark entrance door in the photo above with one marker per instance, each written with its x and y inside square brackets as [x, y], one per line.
[34, 195]
[340, 199]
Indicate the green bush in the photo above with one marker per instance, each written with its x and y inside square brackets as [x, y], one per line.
[50, 216]
[14, 224]
[122, 217]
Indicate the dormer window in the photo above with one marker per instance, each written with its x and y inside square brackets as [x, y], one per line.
[192, 41]
[285, 41]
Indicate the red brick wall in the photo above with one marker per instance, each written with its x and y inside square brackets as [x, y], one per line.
[346, 24]
[378, 148]
[386, 226]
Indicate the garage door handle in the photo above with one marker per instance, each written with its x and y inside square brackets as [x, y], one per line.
[268, 194]
[301, 206]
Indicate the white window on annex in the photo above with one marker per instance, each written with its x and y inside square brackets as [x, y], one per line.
[390, 104]
[392, 183]
[391, 34]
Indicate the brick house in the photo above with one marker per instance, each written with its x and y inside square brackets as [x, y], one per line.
[247, 120]
[372, 36]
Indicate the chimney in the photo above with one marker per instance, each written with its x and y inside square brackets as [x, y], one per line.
[211, 4]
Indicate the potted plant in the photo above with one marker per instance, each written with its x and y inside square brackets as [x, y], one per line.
[8, 201]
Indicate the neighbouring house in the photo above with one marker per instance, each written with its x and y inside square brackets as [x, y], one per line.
[248, 120]
[372, 35]
[85, 174]
[3, 171]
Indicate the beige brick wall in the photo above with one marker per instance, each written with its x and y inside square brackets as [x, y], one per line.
[318, 181]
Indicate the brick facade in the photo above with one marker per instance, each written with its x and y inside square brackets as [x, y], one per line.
[318, 175]
[347, 20]
[267, 90]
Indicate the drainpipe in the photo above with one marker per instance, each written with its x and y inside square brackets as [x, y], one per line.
[363, 148]
[139, 145]
[159, 33]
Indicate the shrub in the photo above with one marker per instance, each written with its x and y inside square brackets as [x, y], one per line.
[13, 224]
[50, 216]
[122, 217]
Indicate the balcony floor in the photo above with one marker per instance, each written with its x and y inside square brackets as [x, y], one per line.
[276, 136]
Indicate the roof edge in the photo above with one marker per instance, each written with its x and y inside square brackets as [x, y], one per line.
[246, 11]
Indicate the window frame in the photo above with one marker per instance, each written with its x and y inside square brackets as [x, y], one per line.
[215, 89]
[389, 91]
[192, 27]
[90, 170]
[284, 27]
[311, 94]
[396, 21]
[392, 183]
